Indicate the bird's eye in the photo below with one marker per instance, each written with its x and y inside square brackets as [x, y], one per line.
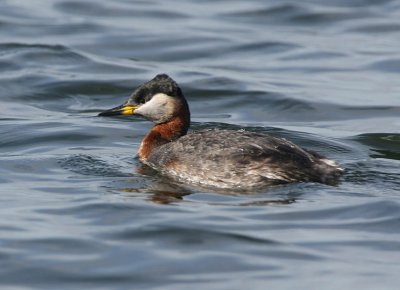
[140, 96]
[140, 100]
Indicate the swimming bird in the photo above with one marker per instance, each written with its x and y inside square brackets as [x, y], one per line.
[220, 158]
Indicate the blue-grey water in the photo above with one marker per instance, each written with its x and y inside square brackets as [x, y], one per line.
[77, 210]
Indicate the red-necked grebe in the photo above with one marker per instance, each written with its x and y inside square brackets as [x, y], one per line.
[215, 157]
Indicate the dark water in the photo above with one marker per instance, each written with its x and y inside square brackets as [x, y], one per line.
[78, 212]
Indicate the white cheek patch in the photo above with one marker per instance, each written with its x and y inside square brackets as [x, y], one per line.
[157, 101]
[159, 109]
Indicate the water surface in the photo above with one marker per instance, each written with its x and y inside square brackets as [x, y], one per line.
[77, 209]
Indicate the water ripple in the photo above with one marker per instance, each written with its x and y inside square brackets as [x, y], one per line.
[78, 210]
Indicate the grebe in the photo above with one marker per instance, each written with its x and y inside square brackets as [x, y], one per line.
[214, 157]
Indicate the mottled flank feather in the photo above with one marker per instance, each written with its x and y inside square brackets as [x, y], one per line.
[239, 159]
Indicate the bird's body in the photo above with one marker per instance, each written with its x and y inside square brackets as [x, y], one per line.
[215, 157]
[238, 159]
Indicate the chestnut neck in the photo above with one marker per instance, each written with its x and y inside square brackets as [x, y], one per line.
[164, 133]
